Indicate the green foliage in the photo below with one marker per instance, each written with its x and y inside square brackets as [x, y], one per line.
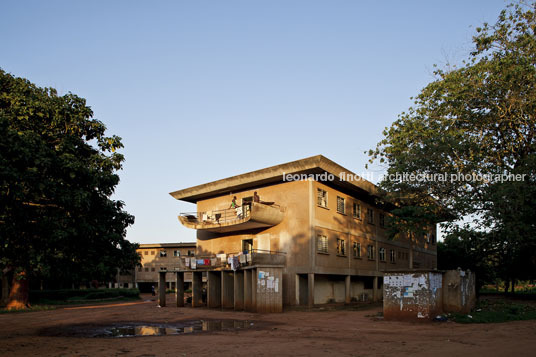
[57, 173]
[476, 121]
[76, 295]
[467, 249]
[488, 311]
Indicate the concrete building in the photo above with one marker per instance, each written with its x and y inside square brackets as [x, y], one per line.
[318, 221]
[155, 257]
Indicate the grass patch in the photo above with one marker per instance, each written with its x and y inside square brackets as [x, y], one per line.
[81, 301]
[488, 311]
[30, 309]
[67, 296]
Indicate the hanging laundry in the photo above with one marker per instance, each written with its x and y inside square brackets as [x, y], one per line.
[235, 264]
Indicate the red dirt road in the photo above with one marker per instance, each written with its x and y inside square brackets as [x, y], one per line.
[63, 332]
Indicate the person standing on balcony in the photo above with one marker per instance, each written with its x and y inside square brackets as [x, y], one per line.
[233, 203]
[256, 197]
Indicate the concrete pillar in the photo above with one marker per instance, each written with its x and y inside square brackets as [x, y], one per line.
[197, 289]
[248, 302]
[214, 289]
[254, 290]
[238, 283]
[227, 289]
[311, 288]
[348, 291]
[179, 288]
[375, 289]
[162, 288]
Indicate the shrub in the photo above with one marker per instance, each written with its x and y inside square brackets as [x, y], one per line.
[37, 296]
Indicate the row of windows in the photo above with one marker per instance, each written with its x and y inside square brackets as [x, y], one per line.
[140, 269]
[322, 201]
[163, 253]
[322, 247]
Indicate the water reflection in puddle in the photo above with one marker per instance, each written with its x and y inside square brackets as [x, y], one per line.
[190, 327]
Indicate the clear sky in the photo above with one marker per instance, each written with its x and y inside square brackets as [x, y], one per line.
[203, 90]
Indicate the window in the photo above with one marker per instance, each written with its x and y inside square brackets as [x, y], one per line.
[357, 210]
[340, 205]
[322, 198]
[322, 244]
[247, 245]
[370, 216]
[371, 254]
[191, 253]
[392, 256]
[146, 252]
[357, 250]
[163, 253]
[152, 269]
[152, 252]
[146, 270]
[341, 247]
[176, 253]
[382, 220]
[382, 254]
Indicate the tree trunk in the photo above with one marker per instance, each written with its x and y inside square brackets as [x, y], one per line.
[5, 288]
[18, 296]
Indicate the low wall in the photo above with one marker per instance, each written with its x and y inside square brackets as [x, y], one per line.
[424, 294]
[459, 292]
[412, 295]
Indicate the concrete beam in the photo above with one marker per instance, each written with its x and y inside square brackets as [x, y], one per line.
[248, 298]
[197, 289]
[254, 290]
[239, 297]
[348, 289]
[375, 289]
[179, 289]
[311, 288]
[214, 289]
[162, 288]
[227, 289]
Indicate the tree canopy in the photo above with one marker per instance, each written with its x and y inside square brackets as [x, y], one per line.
[58, 170]
[470, 141]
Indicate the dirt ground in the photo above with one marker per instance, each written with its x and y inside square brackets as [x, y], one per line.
[69, 332]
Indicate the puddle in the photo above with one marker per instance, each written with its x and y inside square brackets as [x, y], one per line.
[184, 328]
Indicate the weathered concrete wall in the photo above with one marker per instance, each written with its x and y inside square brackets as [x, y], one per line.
[329, 289]
[269, 297]
[459, 292]
[412, 295]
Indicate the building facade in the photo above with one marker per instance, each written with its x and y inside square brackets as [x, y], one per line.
[155, 257]
[317, 220]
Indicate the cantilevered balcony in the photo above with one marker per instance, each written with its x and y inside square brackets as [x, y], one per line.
[248, 216]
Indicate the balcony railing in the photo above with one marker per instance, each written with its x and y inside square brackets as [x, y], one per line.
[249, 215]
[253, 257]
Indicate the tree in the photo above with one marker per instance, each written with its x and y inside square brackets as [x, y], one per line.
[57, 173]
[469, 140]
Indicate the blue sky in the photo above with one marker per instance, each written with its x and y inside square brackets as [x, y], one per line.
[203, 90]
